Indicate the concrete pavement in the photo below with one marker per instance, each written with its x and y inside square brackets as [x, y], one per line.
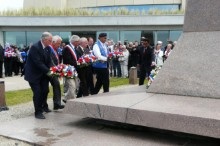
[15, 83]
[60, 129]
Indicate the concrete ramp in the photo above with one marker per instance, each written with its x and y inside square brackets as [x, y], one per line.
[200, 116]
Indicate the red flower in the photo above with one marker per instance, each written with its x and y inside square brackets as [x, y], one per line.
[53, 69]
[80, 60]
[110, 55]
[87, 59]
[69, 73]
[62, 74]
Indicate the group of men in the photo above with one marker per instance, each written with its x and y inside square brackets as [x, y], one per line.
[43, 55]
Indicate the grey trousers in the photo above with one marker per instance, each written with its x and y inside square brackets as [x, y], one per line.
[71, 88]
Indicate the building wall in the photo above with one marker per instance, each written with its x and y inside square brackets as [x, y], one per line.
[45, 3]
[95, 3]
[118, 28]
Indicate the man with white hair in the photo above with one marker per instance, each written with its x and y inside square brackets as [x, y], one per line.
[37, 70]
[56, 42]
[82, 71]
[70, 57]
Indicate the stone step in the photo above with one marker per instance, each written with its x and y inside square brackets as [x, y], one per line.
[132, 105]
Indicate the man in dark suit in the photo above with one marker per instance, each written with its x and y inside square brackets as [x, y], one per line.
[70, 57]
[146, 61]
[82, 71]
[90, 72]
[90, 43]
[1, 60]
[56, 42]
[37, 70]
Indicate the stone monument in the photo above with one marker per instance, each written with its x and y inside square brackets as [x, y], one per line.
[193, 67]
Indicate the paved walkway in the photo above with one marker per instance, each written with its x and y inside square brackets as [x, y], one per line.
[60, 129]
[15, 83]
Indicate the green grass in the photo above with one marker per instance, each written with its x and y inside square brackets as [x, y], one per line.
[24, 96]
[114, 82]
[20, 96]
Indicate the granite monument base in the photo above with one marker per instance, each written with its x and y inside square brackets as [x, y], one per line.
[199, 116]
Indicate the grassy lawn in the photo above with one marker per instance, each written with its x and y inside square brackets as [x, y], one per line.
[23, 96]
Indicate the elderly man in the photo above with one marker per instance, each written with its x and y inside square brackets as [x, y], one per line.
[56, 42]
[82, 71]
[37, 70]
[101, 67]
[70, 57]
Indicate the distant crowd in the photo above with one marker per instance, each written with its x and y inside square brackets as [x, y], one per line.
[14, 58]
[79, 62]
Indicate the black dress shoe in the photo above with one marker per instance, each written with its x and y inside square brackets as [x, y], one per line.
[64, 100]
[40, 116]
[47, 110]
[56, 107]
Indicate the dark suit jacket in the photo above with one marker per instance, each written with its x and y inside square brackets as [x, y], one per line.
[147, 56]
[68, 58]
[79, 52]
[38, 63]
[1, 54]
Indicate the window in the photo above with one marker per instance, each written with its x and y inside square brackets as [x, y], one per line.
[15, 38]
[130, 36]
[163, 36]
[33, 37]
[161, 7]
[174, 35]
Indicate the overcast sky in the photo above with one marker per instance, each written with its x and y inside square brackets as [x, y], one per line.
[10, 4]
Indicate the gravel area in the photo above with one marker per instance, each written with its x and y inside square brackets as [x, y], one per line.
[14, 113]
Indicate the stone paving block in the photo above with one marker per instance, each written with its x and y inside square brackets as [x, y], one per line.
[112, 108]
[194, 115]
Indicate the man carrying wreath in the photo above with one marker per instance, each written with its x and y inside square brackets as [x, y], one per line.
[101, 66]
[37, 70]
[54, 80]
[70, 58]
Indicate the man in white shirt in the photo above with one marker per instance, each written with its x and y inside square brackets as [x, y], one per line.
[101, 66]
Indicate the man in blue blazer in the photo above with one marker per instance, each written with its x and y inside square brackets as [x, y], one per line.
[37, 70]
